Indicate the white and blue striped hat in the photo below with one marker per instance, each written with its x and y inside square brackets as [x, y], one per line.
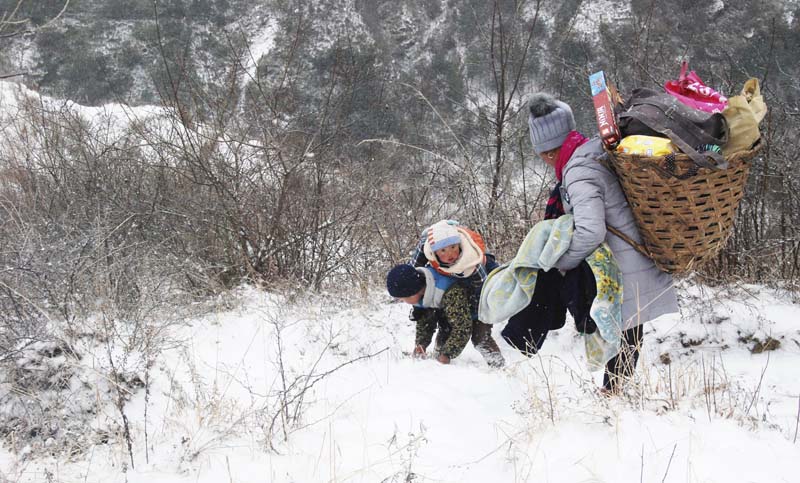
[443, 234]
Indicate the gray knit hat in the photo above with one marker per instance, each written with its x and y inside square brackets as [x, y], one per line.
[549, 122]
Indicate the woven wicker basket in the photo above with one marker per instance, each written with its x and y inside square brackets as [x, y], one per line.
[683, 222]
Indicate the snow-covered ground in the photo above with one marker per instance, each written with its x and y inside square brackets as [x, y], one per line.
[349, 405]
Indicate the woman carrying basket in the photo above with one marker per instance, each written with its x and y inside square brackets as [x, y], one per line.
[591, 193]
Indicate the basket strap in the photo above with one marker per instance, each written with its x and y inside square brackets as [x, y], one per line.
[637, 246]
[699, 159]
[605, 160]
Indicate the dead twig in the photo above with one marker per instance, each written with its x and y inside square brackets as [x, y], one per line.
[669, 463]
[641, 467]
[758, 388]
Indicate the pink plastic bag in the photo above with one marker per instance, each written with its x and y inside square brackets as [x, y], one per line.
[690, 90]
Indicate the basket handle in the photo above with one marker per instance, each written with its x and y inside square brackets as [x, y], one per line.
[637, 246]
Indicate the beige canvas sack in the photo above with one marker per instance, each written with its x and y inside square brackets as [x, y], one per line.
[744, 113]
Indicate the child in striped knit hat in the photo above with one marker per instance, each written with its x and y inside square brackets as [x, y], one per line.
[454, 250]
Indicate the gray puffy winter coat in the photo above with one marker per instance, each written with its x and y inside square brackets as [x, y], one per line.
[594, 196]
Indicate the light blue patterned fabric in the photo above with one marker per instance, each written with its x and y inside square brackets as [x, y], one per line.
[509, 288]
[606, 310]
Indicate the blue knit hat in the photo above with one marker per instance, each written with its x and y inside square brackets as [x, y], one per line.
[549, 122]
[404, 281]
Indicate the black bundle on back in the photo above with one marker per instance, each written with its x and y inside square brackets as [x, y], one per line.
[653, 113]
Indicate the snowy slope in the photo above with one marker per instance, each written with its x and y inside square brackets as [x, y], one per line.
[715, 413]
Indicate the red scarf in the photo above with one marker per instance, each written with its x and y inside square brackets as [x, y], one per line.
[571, 143]
[554, 207]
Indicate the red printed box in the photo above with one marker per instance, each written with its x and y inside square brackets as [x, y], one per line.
[603, 109]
